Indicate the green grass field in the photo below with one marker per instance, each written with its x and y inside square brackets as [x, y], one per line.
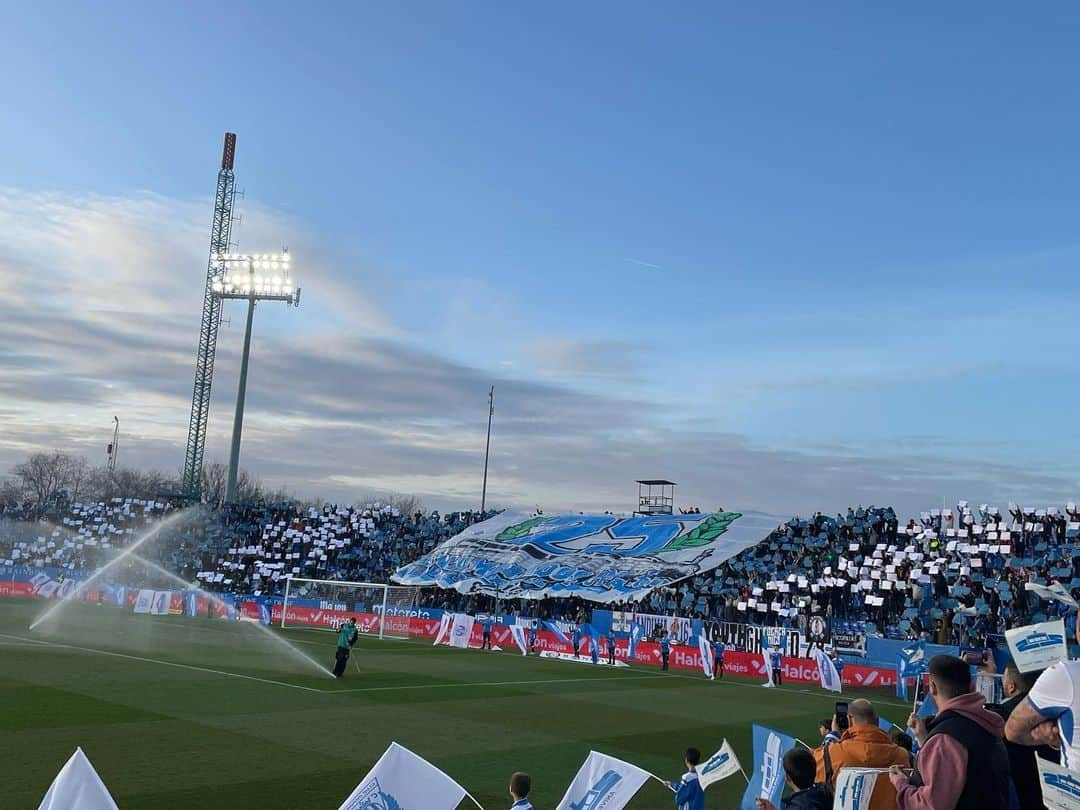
[178, 712]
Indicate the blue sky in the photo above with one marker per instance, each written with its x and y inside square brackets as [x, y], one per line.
[844, 233]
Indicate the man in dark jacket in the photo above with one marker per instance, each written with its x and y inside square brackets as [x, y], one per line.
[799, 768]
[1025, 773]
[962, 764]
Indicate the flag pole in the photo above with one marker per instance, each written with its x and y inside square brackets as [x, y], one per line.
[915, 705]
[474, 801]
[663, 782]
[804, 745]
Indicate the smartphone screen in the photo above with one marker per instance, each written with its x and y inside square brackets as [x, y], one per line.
[841, 714]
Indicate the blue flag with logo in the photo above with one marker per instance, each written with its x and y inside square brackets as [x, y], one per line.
[767, 779]
[910, 663]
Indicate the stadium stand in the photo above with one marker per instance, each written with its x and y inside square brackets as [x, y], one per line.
[862, 570]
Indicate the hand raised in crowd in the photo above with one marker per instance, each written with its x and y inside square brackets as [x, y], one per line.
[897, 777]
[918, 725]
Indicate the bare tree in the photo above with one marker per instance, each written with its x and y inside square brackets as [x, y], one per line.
[407, 505]
[43, 475]
[214, 477]
[76, 475]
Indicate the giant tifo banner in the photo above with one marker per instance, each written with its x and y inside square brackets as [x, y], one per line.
[606, 558]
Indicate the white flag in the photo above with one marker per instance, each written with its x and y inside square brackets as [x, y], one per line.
[830, 678]
[518, 633]
[706, 655]
[719, 766]
[1060, 786]
[605, 782]
[1037, 646]
[77, 785]
[444, 628]
[461, 630]
[161, 603]
[766, 654]
[145, 601]
[854, 787]
[1057, 591]
[402, 779]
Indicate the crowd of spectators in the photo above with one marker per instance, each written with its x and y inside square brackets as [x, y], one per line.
[953, 576]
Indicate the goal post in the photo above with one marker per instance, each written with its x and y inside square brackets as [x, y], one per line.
[380, 609]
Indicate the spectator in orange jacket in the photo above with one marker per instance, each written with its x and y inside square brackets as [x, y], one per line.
[863, 745]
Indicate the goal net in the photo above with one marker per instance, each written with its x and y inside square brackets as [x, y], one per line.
[380, 610]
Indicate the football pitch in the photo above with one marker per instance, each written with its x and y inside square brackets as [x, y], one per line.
[180, 712]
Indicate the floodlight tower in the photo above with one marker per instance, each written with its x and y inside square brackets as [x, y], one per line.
[220, 230]
[251, 278]
[114, 448]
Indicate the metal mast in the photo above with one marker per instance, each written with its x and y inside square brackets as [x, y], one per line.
[487, 448]
[220, 230]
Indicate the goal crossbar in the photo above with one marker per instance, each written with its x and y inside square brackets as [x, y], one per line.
[390, 604]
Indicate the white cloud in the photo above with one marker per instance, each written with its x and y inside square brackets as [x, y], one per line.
[101, 318]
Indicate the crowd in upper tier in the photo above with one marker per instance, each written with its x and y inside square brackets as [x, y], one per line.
[953, 575]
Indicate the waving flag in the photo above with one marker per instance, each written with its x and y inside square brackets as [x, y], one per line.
[402, 779]
[766, 654]
[461, 630]
[1060, 786]
[77, 785]
[637, 632]
[605, 782]
[1037, 646]
[768, 779]
[830, 678]
[518, 632]
[719, 766]
[1057, 592]
[854, 787]
[706, 655]
[444, 627]
[927, 708]
[557, 632]
[910, 663]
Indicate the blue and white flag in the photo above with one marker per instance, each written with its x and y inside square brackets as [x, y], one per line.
[264, 613]
[884, 724]
[557, 632]
[77, 786]
[603, 782]
[637, 632]
[1060, 786]
[927, 708]
[854, 787]
[401, 779]
[444, 627]
[768, 779]
[461, 630]
[160, 606]
[766, 654]
[719, 766]
[1037, 646]
[518, 632]
[604, 558]
[144, 601]
[705, 649]
[910, 663]
[1057, 592]
[830, 678]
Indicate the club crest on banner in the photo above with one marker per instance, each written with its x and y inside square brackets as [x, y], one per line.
[608, 558]
[373, 798]
[599, 793]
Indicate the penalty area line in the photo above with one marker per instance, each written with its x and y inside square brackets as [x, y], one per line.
[192, 667]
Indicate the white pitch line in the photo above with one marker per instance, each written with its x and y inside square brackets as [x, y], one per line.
[495, 683]
[170, 664]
